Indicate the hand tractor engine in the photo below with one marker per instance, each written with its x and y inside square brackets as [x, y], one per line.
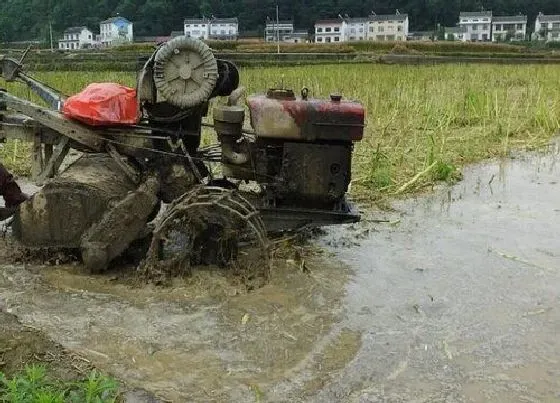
[289, 169]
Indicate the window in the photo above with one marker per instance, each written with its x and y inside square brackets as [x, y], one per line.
[555, 25]
[352, 38]
[464, 20]
[399, 28]
[328, 39]
[361, 38]
[195, 25]
[475, 20]
[353, 30]
[484, 37]
[361, 30]
[203, 25]
[520, 27]
[336, 38]
[498, 27]
[371, 29]
[336, 29]
[380, 29]
[475, 28]
[328, 29]
[319, 39]
[485, 27]
[485, 19]
[89, 36]
[319, 29]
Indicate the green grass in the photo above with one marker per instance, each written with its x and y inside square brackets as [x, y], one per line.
[416, 115]
[33, 385]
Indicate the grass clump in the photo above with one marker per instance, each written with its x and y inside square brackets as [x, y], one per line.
[33, 385]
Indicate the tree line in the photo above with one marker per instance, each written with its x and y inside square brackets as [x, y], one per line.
[33, 19]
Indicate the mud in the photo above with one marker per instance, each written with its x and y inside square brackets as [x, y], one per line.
[457, 298]
[204, 339]
[454, 298]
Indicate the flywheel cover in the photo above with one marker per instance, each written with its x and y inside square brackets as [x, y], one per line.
[185, 72]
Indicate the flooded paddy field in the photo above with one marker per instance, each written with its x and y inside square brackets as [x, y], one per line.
[454, 299]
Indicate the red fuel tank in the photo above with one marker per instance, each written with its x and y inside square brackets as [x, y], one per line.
[280, 114]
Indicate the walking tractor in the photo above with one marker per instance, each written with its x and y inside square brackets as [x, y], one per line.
[142, 176]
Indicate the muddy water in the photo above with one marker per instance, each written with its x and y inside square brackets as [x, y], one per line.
[201, 340]
[458, 299]
[455, 300]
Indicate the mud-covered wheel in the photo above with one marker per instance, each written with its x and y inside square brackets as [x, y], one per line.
[208, 226]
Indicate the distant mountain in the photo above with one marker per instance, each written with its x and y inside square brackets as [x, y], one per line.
[30, 19]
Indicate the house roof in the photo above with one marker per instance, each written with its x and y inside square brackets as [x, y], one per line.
[475, 14]
[510, 18]
[196, 20]
[548, 18]
[75, 30]
[328, 21]
[232, 20]
[285, 22]
[388, 17]
[357, 20]
[115, 19]
[215, 20]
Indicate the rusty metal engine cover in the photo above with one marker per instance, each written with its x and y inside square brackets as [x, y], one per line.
[281, 115]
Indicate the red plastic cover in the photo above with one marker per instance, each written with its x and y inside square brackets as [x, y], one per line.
[103, 104]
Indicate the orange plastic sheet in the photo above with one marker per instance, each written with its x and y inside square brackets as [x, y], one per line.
[103, 104]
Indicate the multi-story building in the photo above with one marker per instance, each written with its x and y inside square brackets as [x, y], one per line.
[281, 31]
[198, 28]
[506, 28]
[388, 27]
[547, 27]
[477, 25]
[356, 29]
[115, 30]
[224, 29]
[76, 38]
[330, 31]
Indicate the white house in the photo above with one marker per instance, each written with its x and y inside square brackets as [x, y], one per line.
[76, 38]
[330, 31]
[505, 28]
[279, 31]
[223, 29]
[388, 27]
[115, 30]
[547, 27]
[197, 28]
[356, 29]
[477, 25]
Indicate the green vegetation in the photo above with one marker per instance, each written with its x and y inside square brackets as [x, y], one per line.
[33, 385]
[438, 117]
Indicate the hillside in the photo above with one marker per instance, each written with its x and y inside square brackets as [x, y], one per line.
[30, 19]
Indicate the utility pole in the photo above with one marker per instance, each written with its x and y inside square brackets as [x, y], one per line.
[277, 30]
[50, 32]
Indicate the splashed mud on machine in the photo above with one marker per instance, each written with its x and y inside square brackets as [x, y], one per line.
[289, 170]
